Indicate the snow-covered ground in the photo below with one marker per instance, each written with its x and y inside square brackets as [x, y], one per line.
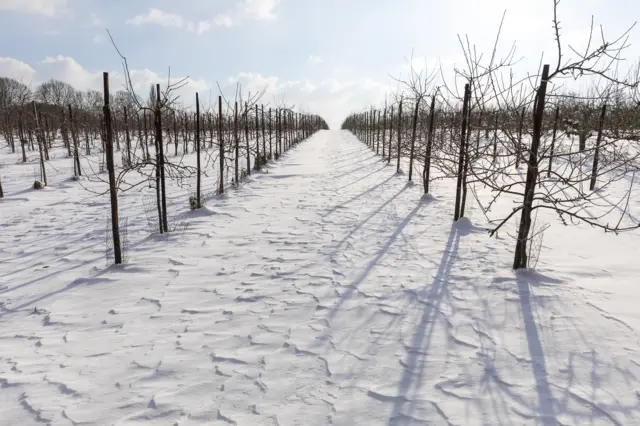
[324, 291]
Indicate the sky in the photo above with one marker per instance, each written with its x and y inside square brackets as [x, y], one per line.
[330, 57]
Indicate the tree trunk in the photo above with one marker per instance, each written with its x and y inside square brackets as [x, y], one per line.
[520, 258]
[42, 134]
[384, 130]
[146, 136]
[74, 137]
[399, 129]
[23, 141]
[427, 159]
[127, 136]
[246, 137]
[175, 128]
[413, 138]
[461, 157]
[160, 156]
[553, 140]
[596, 153]
[278, 133]
[519, 146]
[495, 140]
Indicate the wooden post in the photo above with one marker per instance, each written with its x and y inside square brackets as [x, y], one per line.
[596, 153]
[270, 135]
[221, 143]
[39, 138]
[279, 133]
[390, 135]
[246, 137]
[399, 134]
[198, 178]
[378, 135]
[237, 141]
[257, 161]
[264, 142]
[115, 223]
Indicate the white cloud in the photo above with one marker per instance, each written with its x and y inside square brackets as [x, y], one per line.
[99, 38]
[16, 69]
[172, 20]
[68, 70]
[158, 17]
[95, 20]
[258, 9]
[223, 20]
[315, 59]
[308, 87]
[36, 7]
[203, 26]
[333, 98]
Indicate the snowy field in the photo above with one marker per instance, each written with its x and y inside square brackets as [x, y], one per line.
[324, 291]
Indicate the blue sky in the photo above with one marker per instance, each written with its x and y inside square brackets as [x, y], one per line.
[328, 56]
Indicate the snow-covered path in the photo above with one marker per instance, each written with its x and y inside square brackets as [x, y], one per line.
[326, 291]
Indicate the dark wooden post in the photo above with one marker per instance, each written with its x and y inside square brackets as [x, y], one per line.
[197, 141]
[115, 223]
[246, 137]
[221, 142]
[390, 135]
[257, 160]
[270, 135]
[596, 153]
[237, 141]
[264, 141]
[39, 138]
[399, 134]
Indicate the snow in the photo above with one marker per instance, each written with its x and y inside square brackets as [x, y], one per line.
[324, 291]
